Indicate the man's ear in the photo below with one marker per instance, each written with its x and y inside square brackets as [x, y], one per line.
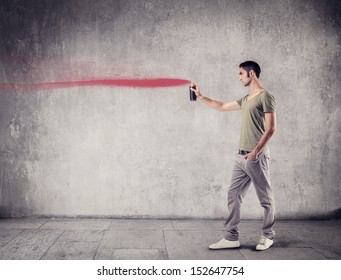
[251, 73]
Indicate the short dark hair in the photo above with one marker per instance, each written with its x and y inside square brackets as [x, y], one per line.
[250, 65]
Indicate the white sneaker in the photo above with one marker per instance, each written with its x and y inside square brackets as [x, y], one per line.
[264, 243]
[224, 244]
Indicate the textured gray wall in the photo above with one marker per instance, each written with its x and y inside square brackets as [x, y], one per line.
[99, 151]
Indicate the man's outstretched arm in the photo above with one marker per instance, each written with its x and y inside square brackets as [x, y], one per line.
[218, 105]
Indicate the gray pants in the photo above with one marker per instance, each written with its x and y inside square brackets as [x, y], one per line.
[244, 172]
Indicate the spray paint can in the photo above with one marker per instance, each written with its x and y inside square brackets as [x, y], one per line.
[192, 95]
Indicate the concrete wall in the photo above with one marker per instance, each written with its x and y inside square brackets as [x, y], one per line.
[132, 152]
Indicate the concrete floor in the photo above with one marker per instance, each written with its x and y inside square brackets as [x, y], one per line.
[103, 239]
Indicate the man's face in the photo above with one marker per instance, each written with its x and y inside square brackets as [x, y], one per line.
[243, 77]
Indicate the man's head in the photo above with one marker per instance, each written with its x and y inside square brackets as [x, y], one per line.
[248, 70]
[250, 65]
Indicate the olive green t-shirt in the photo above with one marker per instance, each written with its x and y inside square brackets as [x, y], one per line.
[253, 118]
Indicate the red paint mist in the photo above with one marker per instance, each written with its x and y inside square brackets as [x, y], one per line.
[144, 83]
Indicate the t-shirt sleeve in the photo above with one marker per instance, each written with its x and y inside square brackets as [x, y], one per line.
[269, 103]
[240, 101]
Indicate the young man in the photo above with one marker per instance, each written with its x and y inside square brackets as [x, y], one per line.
[252, 162]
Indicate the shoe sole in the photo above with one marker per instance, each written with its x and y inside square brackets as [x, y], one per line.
[223, 248]
[263, 249]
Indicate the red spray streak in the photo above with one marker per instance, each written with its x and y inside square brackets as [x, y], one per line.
[138, 83]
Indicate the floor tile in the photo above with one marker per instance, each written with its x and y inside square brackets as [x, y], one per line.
[71, 251]
[29, 245]
[6, 235]
[198, 224]
[141, 224]
[60, 223]
[22, 223]
[133, 239]
[132, 254]
[81, 235]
